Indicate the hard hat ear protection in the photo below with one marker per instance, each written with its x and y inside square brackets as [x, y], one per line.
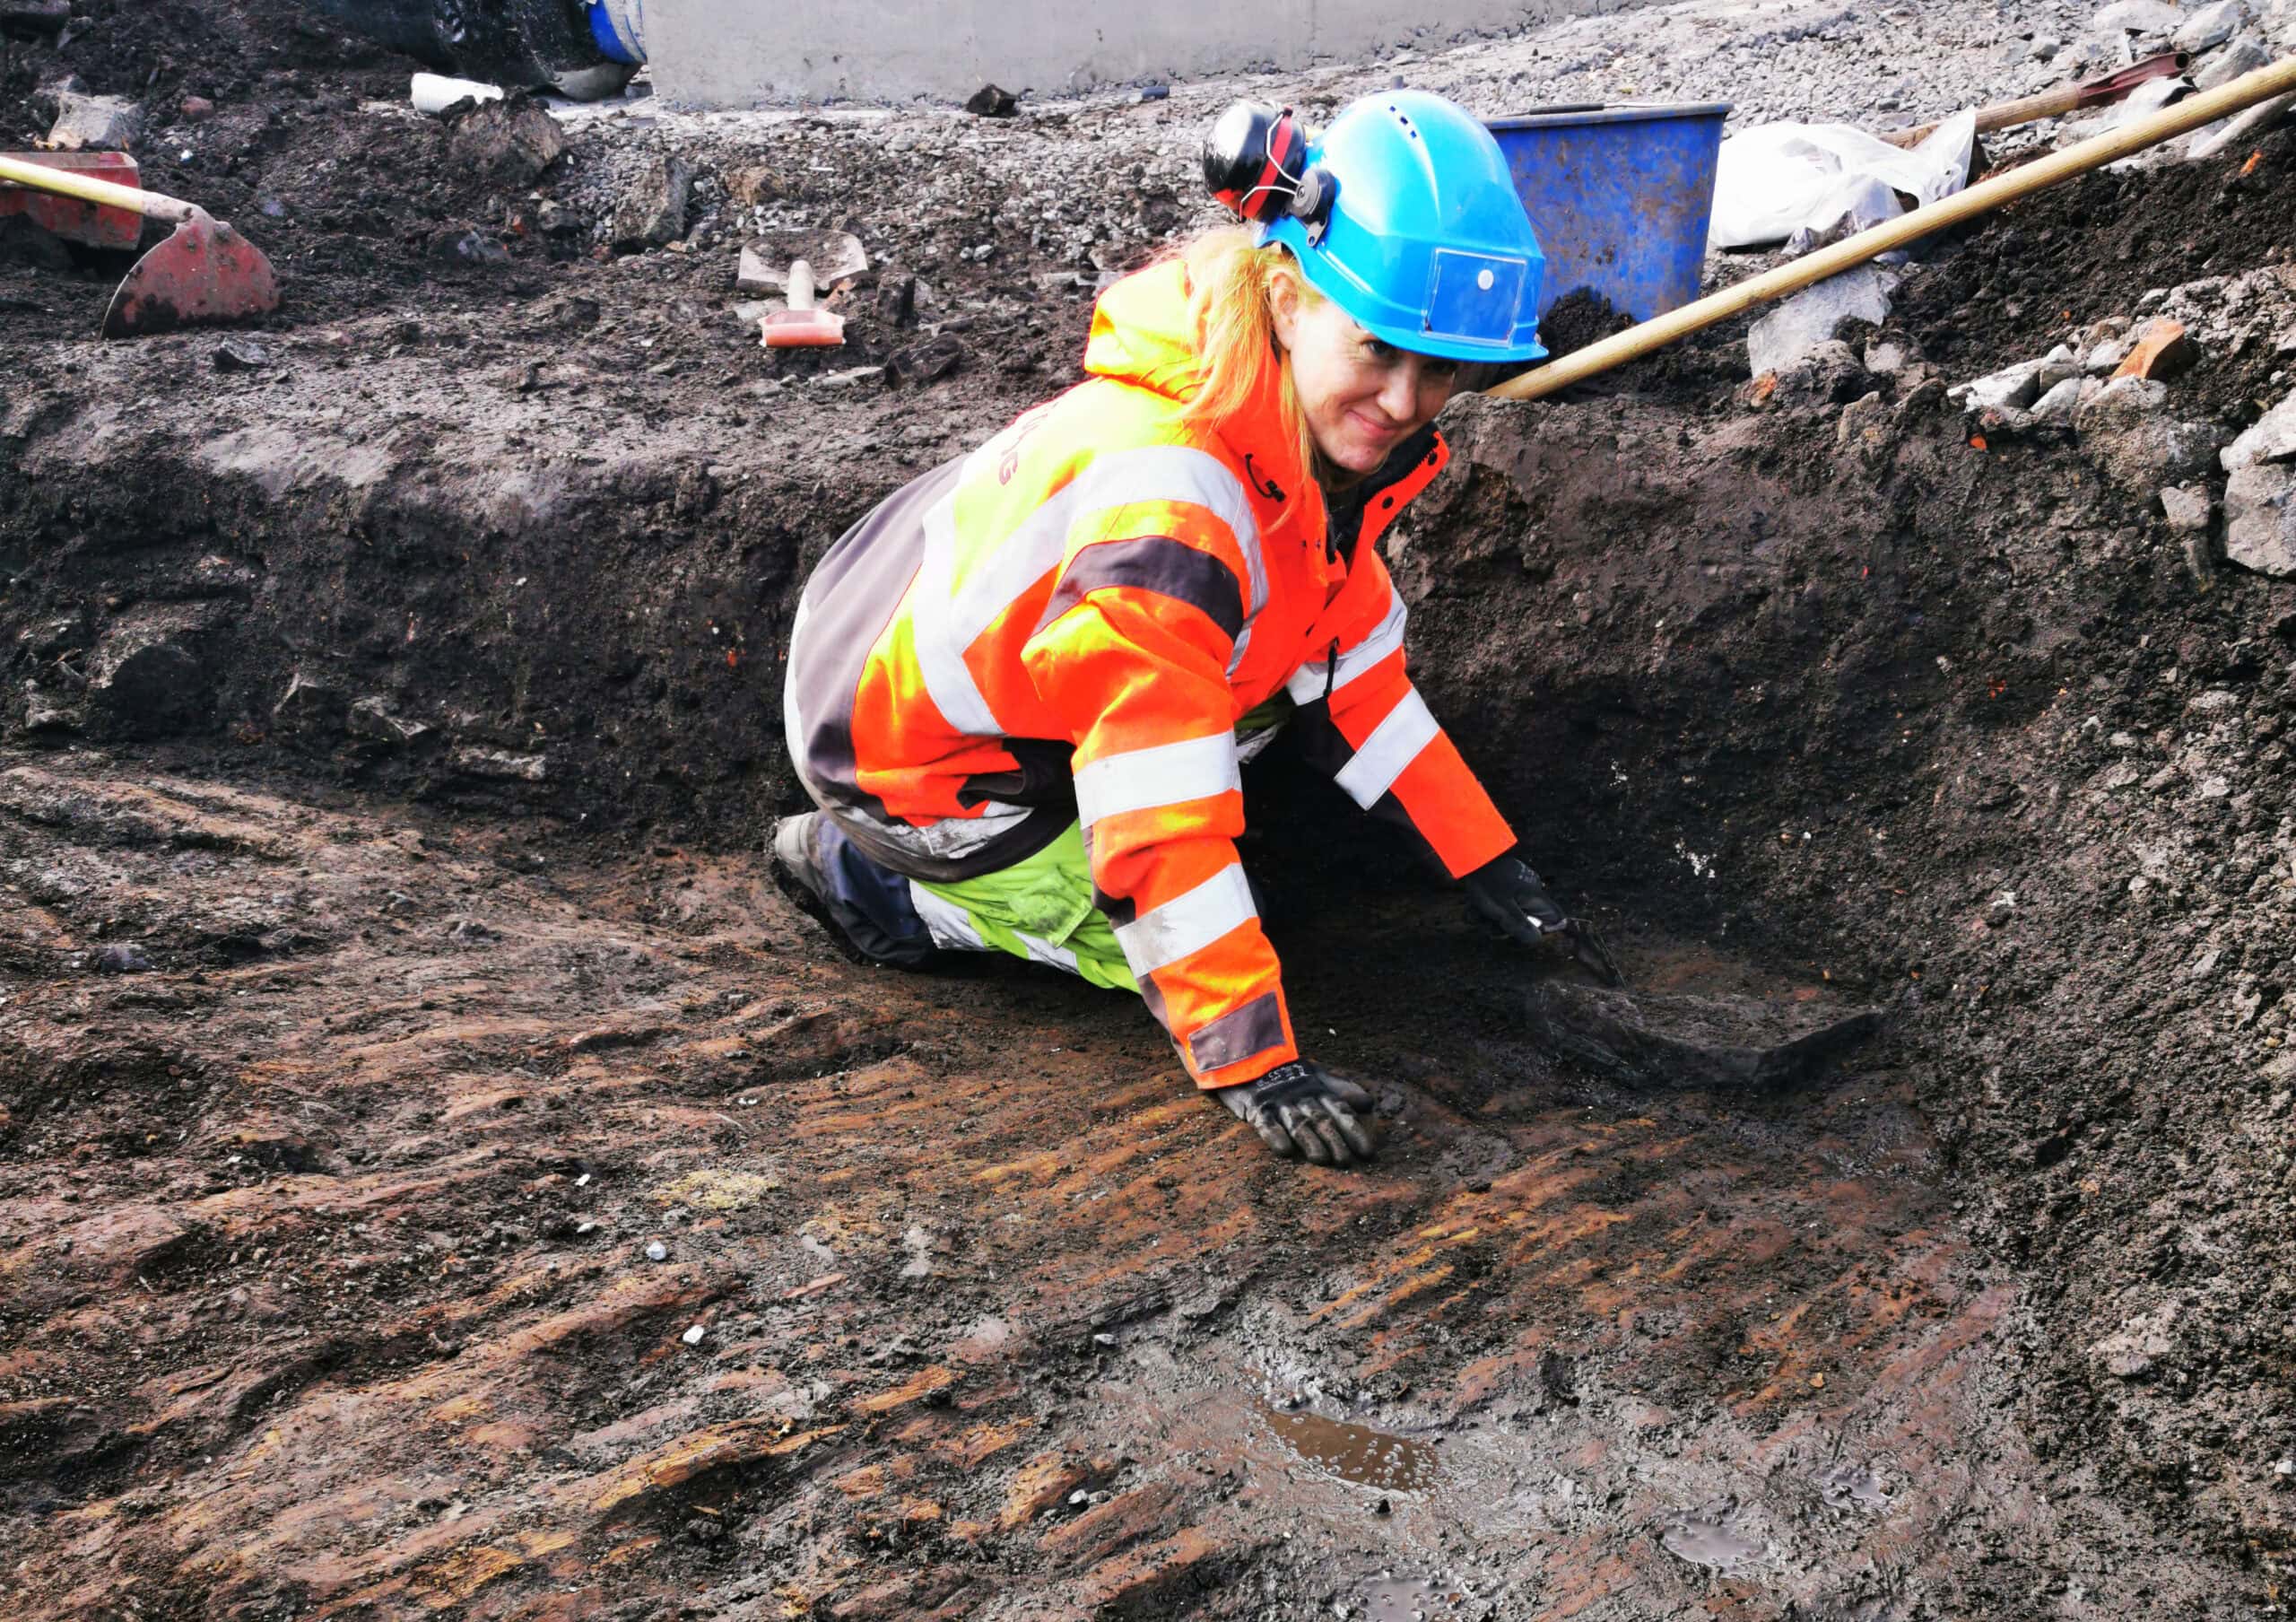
[1256, 164]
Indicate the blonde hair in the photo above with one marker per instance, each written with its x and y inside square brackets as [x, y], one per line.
[1231, 295]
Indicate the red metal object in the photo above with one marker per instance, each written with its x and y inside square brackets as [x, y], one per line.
[2112, 87]
[203, 275]
[95, 224]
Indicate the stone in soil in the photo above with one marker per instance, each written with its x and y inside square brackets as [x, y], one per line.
[652, 210]
[511, 143]
[2126, 430]
[95, 124]
[2211, 26]
[2260, 518]
[1790, 333]
[2139, 17]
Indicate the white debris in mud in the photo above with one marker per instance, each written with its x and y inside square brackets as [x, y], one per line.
[692, 1337]
[1700, 866]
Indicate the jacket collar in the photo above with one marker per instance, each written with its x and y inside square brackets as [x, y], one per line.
[1360, 513]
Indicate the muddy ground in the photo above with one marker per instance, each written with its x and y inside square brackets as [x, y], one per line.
[389, 960]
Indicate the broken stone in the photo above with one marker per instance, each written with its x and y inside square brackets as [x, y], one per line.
[2271, 438]
[85, 123]
[372, 718]
[2059, 364]
[1884, 358]
[846, 379]
[2162, 352]
[897, 301]
[35, 16]
[239, 354]
[2185, 508]
[652, 212]
[148, 671]
[2137, 446]
[509, 143]
[308, 699]
[935, 358]
[2105, 359]
[2137, 1350]
[756, 184]
[42, 714]
[2059, 404]
[1789, 335]
[2016, 387]
[656, 1251]
[473, 246]
[2138, 17]
[123, 958]
[2211, 26]
[501, 764]
[834, 257]
[2260, 518]
[693, 1335]
[192, 109]
[1864, 425]
[2130, 397]
[2244, 56]
[990, 102]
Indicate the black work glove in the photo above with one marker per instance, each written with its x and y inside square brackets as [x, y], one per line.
[1510, 895]
[1303, 1109]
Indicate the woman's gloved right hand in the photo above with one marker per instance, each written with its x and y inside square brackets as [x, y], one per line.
[1300, 1108]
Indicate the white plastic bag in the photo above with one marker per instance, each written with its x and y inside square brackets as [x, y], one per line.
[1776, 179]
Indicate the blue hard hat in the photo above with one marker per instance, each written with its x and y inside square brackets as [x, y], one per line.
[1426, 244]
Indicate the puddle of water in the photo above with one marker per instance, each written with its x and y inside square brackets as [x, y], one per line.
[1706, 1537]
[1355, 1452]
[1859, 1487]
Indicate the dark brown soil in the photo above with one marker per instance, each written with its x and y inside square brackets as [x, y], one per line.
[2093, 246]
[410, 703]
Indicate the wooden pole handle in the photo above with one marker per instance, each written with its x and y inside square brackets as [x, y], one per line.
[1635, 342]
[67, 183]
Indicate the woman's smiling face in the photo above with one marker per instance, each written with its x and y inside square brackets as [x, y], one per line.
[1361, 397]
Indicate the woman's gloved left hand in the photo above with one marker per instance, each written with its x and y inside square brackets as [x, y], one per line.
[1509, 895]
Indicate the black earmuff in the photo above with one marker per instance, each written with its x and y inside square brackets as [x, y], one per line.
[1256, 164]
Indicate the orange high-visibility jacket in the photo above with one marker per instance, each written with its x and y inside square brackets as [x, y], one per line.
[1070, 621]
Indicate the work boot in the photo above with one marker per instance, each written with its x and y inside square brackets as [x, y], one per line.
[865, 908]
[792, 853]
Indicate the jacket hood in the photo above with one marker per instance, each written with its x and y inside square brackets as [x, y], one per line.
[1143, 334]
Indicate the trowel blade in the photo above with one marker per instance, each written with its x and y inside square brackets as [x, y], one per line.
[205, 275]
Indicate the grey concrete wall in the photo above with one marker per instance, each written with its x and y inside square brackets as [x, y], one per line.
[747, 53]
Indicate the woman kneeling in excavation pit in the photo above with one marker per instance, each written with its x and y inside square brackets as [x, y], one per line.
[1021, 689]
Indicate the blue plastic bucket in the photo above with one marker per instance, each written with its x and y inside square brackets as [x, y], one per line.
[1621, 198]
[619, 28]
